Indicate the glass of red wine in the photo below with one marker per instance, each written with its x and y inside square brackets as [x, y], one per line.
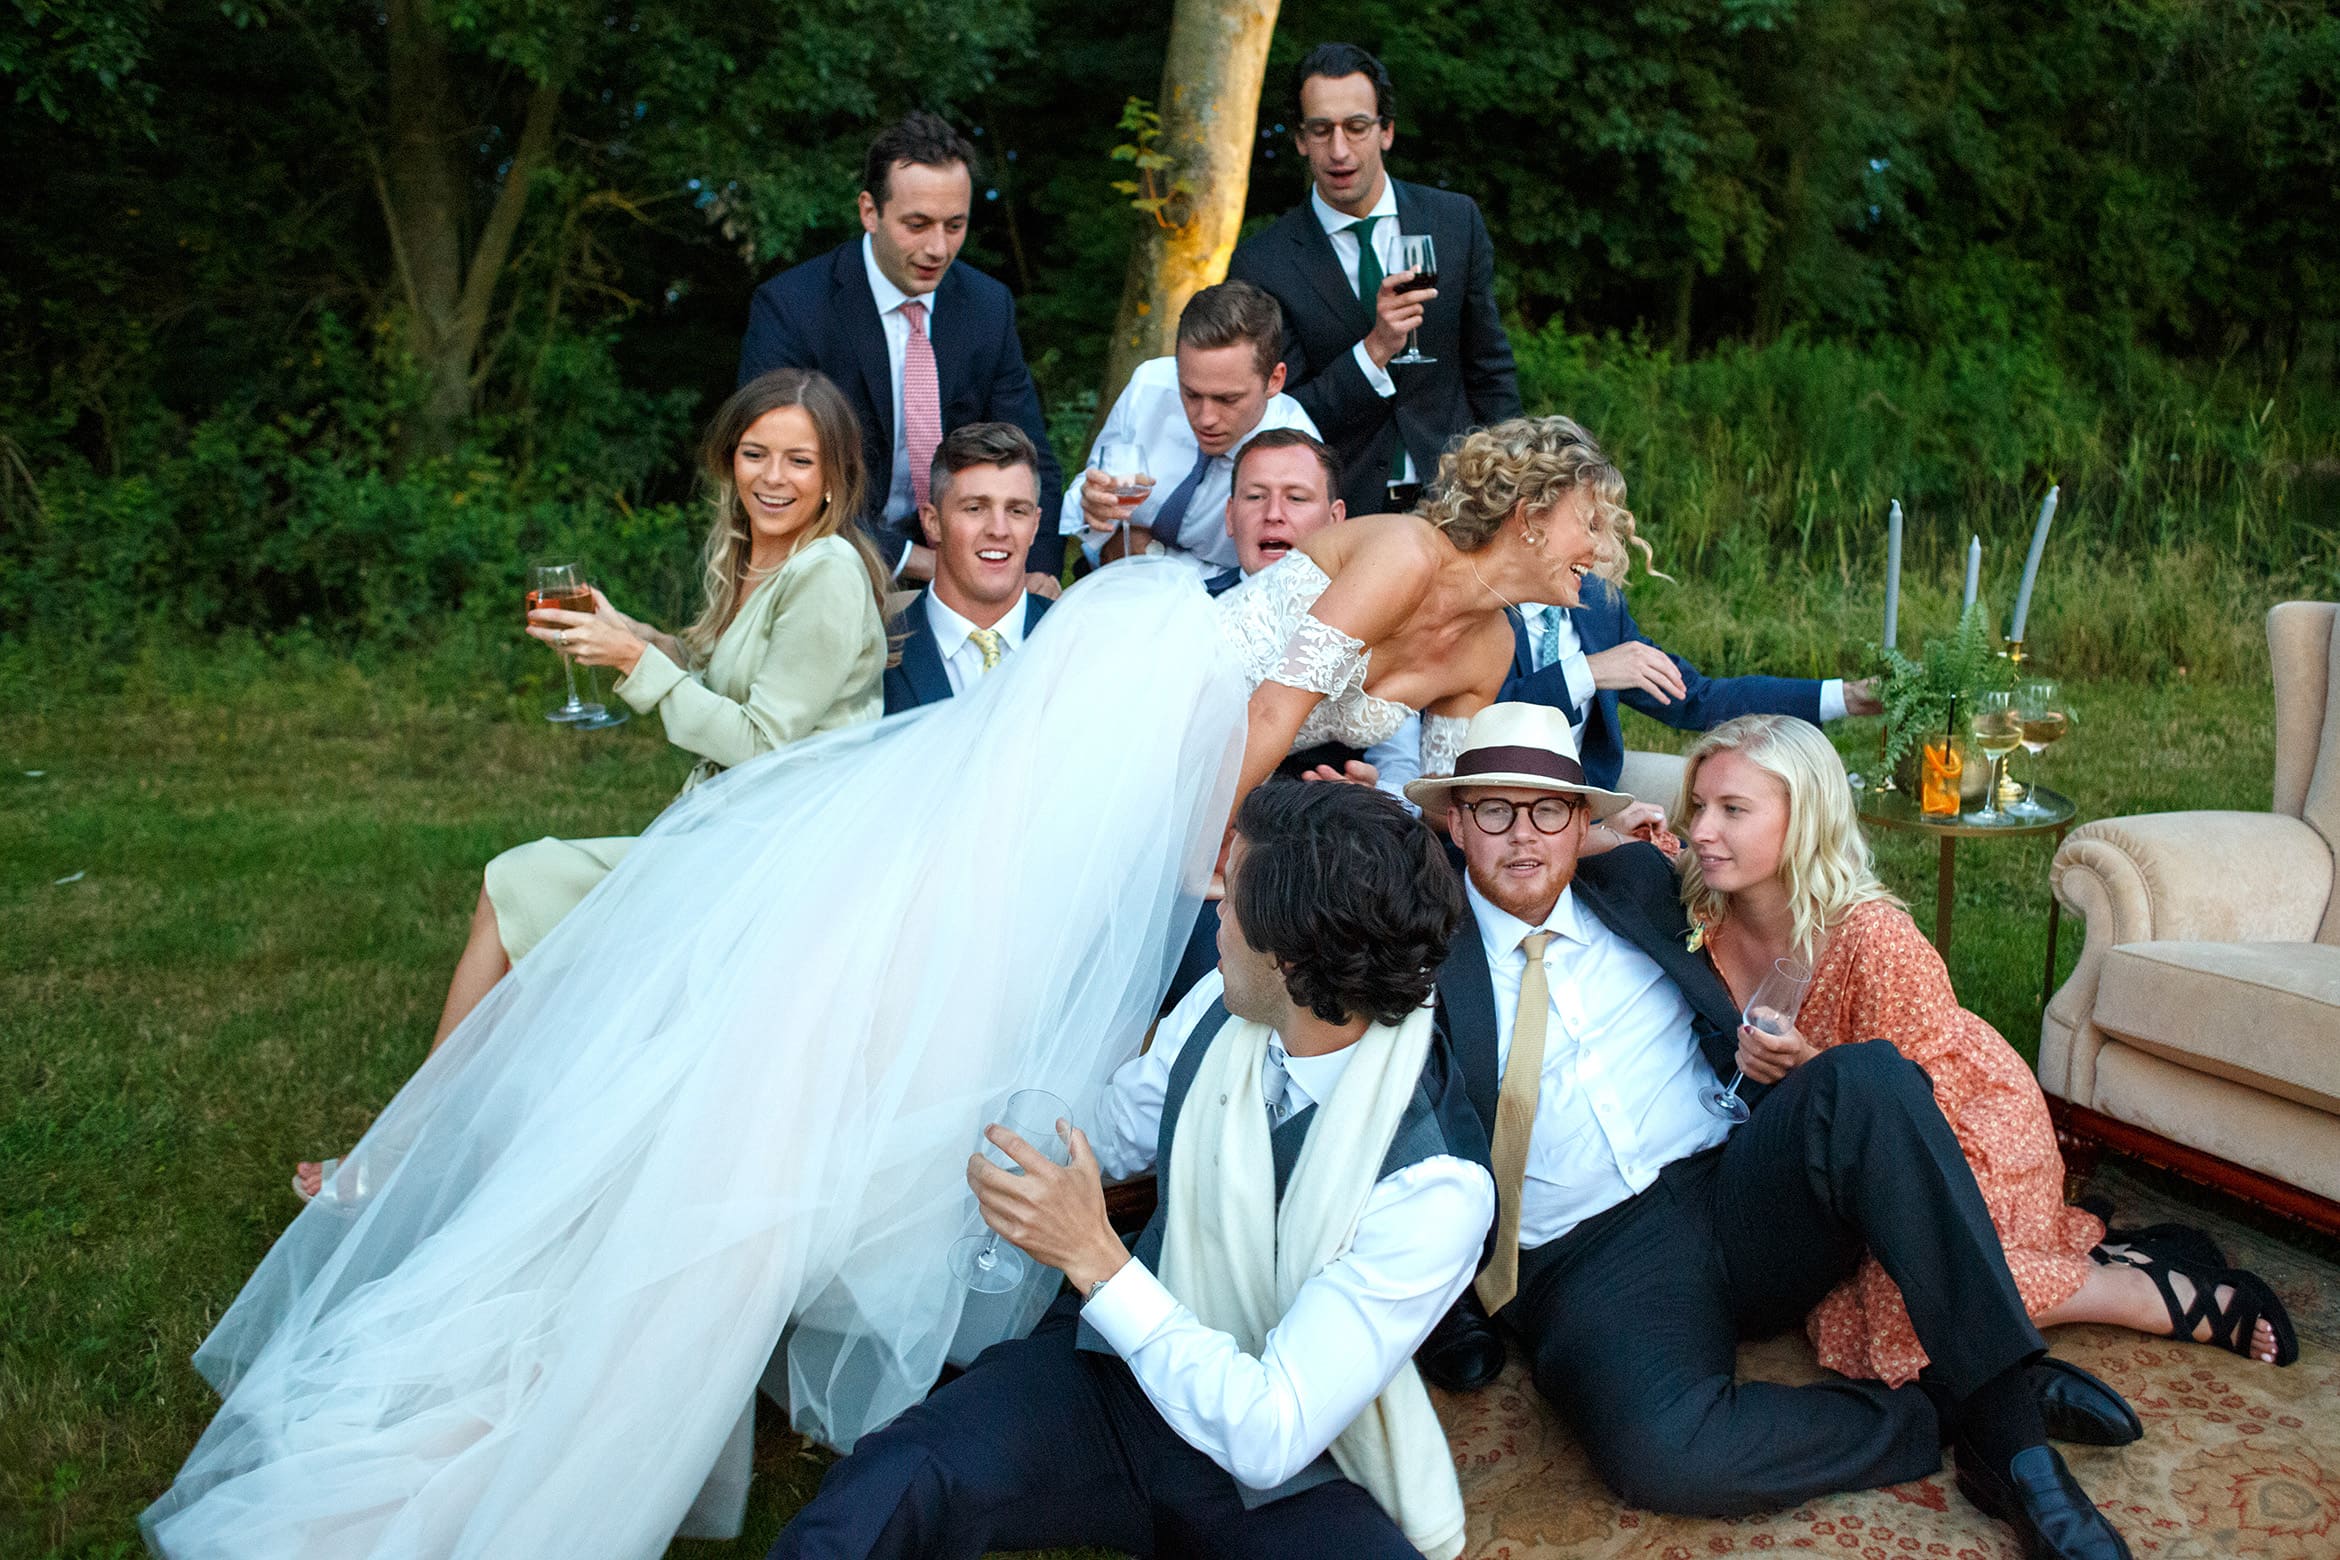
[1416, 253]
[562, 586]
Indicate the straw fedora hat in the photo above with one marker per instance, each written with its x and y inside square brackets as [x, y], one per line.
[1518, 745]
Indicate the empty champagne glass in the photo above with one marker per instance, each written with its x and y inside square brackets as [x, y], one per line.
[1998, 730]
[562, 585]
[981, 1262]
[1771, 1010]
[1416, 253]
[2039, 707]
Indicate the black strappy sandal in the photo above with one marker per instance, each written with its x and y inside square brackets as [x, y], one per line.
[2230, 1329]
[2179, 1243]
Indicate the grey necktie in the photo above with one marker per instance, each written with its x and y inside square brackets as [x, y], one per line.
[1275, 1086]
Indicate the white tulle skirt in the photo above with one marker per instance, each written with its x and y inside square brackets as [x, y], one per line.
[727, 1105]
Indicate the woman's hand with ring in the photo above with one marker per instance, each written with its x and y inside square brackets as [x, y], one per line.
[588, 638]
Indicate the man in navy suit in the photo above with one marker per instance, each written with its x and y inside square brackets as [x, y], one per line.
[1585, 660]
[919, 343]
[1335, 264]
[985, 508]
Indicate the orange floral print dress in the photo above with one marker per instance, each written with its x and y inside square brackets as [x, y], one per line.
[1880, 977]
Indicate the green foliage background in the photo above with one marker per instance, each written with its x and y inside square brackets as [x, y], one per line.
[1790, 258]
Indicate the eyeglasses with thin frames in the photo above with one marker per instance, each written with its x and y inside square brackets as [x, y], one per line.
[1550, 815]
[1316, 132]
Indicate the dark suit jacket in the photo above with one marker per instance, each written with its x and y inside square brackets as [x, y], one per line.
[919, 678]
[1632, 891]
[822, 315]
[1472, 383]
[1603, 623]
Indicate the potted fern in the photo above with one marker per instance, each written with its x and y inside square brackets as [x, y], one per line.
[1921, 696]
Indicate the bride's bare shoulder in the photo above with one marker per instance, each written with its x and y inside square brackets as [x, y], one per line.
[1396, 546]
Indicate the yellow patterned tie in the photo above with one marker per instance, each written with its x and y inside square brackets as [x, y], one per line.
[1515, 1122]
[988, 641]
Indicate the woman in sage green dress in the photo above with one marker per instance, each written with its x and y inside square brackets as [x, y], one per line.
[792, 641]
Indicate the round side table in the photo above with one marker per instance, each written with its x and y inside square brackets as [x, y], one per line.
[1899, 810]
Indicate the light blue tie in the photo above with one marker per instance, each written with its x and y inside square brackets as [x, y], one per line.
[1172, 514]
[1548, 639]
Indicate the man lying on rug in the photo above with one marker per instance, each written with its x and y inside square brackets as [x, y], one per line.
[1243, 1384]
[1639, 1235]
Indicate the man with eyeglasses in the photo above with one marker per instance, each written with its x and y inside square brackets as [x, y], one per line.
[1638, 1235]
[1336, 265]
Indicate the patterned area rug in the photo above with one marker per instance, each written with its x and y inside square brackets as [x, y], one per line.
[2238, 1459]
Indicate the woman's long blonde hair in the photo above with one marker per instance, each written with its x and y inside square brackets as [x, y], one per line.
[724, 561]
[1531, 463]
[1824, 861]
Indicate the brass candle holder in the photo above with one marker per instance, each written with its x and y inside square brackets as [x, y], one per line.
[2012, 790]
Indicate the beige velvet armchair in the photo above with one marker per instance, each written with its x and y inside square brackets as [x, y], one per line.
[2201, 1028]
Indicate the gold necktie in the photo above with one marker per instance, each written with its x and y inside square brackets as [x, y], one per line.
[988, 641]
[1515, 1122]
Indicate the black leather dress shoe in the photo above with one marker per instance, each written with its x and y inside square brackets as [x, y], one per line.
[1464, 1351]
[2038, 1497]
[2081, 1409]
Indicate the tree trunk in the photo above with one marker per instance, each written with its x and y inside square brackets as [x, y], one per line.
[1211, 79]
[1771, 286]
[423, 194]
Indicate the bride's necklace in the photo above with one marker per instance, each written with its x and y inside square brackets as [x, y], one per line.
[1489, 589]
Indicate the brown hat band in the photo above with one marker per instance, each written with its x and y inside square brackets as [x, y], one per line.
[1519, 761]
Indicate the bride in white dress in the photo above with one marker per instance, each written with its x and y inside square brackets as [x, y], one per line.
[728, 1102]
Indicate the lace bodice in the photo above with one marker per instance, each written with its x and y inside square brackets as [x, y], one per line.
[1267, 622]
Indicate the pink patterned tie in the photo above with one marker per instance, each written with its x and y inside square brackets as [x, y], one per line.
[921, 401]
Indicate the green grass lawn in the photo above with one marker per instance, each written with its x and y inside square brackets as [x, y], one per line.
[273, 863]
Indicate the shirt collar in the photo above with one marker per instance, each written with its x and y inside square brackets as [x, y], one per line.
[1501, 932]
[1314, 1078]
[1338, 221]
[881, 287]
[951, 630]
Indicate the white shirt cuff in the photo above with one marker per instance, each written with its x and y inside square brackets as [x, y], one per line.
[1129, 1308]
[1375, 374]
[904, 561]
[1832, 699]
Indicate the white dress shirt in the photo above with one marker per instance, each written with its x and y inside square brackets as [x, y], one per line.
[900, 500]
[1579, 668]
[962, 658]
[1622, 1068]
[1388, 251]
[1150, 414]
[1265, 1417]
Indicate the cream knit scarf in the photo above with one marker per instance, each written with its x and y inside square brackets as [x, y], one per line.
[1238, 1261]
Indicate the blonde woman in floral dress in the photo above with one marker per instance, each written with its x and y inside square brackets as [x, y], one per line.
[1776, 867]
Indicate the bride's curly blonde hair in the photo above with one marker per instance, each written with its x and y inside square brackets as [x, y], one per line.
[1532, 463]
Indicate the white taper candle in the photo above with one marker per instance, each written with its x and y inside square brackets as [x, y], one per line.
[2047, 513]
[1893, 575]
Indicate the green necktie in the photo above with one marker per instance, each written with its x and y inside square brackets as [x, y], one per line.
[1368, 288]
[1368, 266]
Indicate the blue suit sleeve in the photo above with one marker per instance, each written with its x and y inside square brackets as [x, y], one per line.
[771, 340]
[1709, 701]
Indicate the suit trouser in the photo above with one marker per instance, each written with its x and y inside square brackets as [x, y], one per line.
[1632, 1319]
[1041, 1444]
